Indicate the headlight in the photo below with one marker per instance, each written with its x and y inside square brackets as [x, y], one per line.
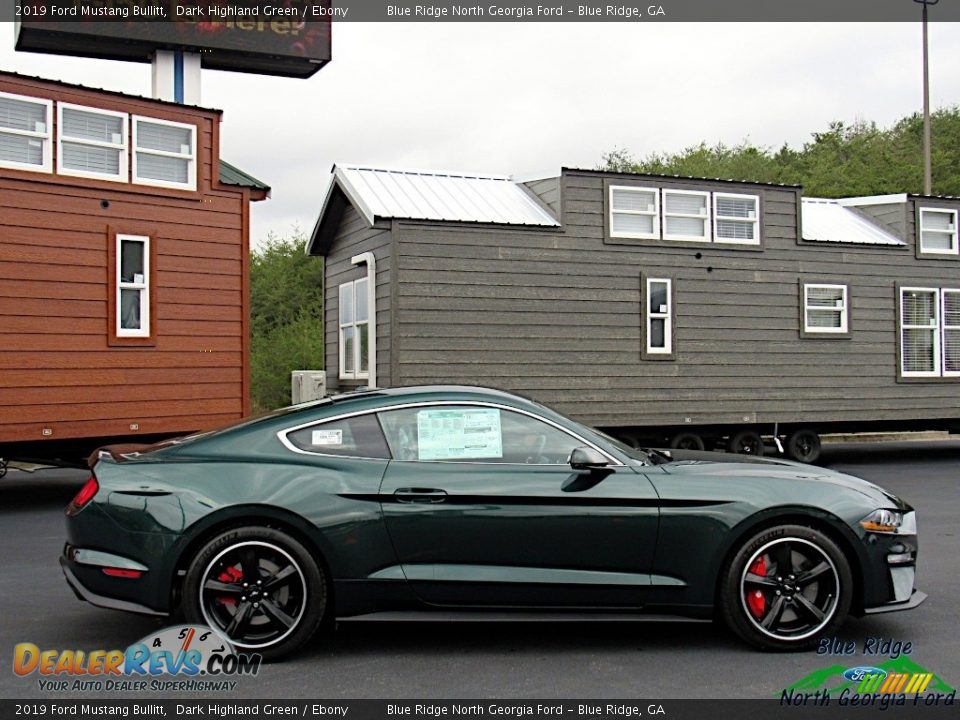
[883, 521]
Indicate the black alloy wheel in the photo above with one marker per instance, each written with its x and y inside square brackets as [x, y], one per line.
[687, 441]
[803, 446]
[786, 587]
[746, 442]
[259, 588]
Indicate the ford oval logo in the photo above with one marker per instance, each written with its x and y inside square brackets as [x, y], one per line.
[860, 672]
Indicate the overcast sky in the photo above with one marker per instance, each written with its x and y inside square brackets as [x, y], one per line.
[527, 98]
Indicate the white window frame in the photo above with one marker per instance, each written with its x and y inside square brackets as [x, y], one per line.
[937, 333]
[135, 150]
[44, 137]
[717, 217]
[655, 214]
[844, 309]
[144, 329]
[954, 245]
[123, 172]
[707, 223]
[943, 332]
[356, 373]
[667, 317]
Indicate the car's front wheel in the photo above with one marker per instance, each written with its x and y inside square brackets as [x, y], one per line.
[786, 587]
[259, 588]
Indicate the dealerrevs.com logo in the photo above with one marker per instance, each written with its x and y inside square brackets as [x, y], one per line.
[182, 658]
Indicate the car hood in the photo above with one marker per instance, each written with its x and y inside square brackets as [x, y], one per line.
[722, 466]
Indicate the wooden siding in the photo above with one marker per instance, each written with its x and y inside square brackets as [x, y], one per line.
[559, 316]
[548, 190]
[354, 236]
[58, 369]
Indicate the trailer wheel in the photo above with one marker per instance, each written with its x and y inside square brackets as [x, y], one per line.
[3, 467]
[746, 442]
[803, 446]
[687, 441]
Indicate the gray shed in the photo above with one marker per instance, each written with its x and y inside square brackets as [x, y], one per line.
[662, 309]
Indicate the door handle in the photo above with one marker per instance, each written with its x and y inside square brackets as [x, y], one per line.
[420, 495]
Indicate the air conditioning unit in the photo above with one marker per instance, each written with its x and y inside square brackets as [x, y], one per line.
[307, 385]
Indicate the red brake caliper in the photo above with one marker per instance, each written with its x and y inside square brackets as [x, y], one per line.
[755, 598]
[230, 575]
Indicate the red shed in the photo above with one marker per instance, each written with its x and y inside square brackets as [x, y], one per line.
[124, 285]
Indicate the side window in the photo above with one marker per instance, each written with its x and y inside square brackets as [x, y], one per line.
[358, 436]
[474, 434]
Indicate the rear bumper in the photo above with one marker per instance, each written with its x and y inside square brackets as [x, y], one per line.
[93, 598]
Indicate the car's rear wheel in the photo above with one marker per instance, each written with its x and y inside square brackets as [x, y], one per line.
[786, 587]
[259, 588]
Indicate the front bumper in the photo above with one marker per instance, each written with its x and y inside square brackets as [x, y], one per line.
[913, 601]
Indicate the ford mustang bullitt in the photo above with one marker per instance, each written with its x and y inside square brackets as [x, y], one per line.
[465, 501]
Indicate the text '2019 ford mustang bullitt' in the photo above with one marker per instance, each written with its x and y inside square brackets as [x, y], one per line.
[464, 500]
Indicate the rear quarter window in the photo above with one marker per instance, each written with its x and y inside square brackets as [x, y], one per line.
[358, 436]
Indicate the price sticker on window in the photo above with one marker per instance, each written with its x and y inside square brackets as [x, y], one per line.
[326, 437]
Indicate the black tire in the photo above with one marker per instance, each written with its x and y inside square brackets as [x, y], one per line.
[297, 591]
[687, 441]
[803, 446]
[746, 442]
[818, 581]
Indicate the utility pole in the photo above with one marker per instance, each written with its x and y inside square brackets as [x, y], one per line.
[927, 163]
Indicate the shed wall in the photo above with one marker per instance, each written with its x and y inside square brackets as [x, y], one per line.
[558, 316]
[58, 369]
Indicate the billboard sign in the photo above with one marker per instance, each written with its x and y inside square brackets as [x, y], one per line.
[290, 38]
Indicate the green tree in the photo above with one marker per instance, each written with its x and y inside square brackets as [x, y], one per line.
[286, 317]
[843, 160]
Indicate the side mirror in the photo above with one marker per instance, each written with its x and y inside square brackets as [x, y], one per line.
[587, 458]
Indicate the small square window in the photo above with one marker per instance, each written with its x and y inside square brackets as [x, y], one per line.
[736, 218]
[634, 212]
[164, 153]
[25, 124]
[91, 143]
[686, 215]
[825, 309]
[938, 232]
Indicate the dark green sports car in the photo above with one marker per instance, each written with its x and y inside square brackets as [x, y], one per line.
[463, 501]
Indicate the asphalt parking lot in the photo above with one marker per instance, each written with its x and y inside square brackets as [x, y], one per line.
[481, 660]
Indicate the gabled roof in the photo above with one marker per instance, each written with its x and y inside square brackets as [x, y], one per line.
[383, 194]
[832, 221]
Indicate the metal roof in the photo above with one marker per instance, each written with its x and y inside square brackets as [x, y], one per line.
[420, 195]
[232, 175]
[830, 221]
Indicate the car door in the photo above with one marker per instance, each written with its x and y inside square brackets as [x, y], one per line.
[483, 509]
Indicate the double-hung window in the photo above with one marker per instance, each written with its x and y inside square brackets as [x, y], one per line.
[634, 212]
[825, 309]
[929, 332]
[25, 133]
[354, 330]
[91, 143]
[164, 153]
[133, 286]
[938, 232]
[686, 215]
[659, 317]
[736, 218]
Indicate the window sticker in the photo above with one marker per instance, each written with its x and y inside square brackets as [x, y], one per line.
[327, 437]
[459, 434]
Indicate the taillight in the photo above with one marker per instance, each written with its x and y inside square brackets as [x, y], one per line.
[89, 489]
